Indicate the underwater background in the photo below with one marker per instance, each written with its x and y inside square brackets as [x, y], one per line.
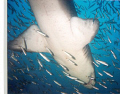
[27, 76]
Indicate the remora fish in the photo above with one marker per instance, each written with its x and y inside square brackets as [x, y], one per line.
[66, 32]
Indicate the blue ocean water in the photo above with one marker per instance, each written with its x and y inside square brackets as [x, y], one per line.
[26, 76]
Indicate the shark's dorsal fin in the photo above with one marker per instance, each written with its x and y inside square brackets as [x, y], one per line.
[84, 30]
[30, 40]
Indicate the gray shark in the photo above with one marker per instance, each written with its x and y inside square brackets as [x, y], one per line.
[63, 34]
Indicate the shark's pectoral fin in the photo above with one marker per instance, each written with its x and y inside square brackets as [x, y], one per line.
[84, 30]
[30, 40]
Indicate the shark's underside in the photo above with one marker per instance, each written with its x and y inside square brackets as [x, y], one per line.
[64, 35]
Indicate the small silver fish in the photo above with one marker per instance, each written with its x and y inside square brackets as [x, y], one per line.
[23, 50]
[44, 57]
[81, 82]
[48, 72]
[68, 54]
[21, 89]
[95, 64]
[102, 85]
[11, 63]
[103, 81]
[113, 54]
[76, 89]
[48, 84]
[78, 92]
[108, 73]
[100, 73]
[22, 70]
[43, 34]
[95, 87]
[28, 68]
[10, 78]
[15, 77]
[49, 51]
[96, 61]
[65, 68]
[66, 73]
[92, 78]
[109, 39]
[117, 68]
[57, 83]
[40, 63]
[30, 75]
[110, 26]
[76, 5]
[114, 63]
[102, 62]
[71, 77]
[72, 62]
[63, 93]
[34, 82]
[25, 44]
[14, 58]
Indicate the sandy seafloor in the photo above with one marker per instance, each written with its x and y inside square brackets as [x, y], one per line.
[26, 76]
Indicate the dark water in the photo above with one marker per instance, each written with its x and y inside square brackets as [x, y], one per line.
[26, 76]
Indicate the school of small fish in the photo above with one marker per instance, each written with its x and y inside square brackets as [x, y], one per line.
[38, 72]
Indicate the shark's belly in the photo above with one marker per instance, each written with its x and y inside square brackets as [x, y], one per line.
[56, 23]
[67, 37]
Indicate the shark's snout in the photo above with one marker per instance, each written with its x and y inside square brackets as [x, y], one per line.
[91, 81]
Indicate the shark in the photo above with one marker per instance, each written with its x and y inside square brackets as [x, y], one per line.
[61, 32]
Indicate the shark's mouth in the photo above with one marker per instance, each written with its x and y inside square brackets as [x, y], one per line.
[90, 83]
